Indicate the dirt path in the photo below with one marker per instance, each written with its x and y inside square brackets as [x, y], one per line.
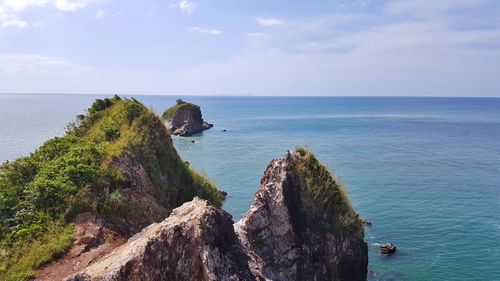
[92, 243]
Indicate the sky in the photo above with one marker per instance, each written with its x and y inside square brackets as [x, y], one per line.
[253, 47]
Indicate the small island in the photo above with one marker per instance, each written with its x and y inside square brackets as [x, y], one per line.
[185, 119]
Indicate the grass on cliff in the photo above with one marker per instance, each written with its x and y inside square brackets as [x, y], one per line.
[181, 105]
[75, 173]
[26, 256]
[327, 194]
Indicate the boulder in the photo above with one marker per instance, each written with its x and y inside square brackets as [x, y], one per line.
[196, 242]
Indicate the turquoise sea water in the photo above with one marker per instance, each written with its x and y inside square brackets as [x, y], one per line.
[425, 171]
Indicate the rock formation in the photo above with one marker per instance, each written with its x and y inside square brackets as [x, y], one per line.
[299, 227]
[185, 119]
[118, 163]
[387, 249]
[196, 242]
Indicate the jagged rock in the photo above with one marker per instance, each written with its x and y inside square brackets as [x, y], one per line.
[185, 119]
[196, 242]
[387, 249]
[301, 226]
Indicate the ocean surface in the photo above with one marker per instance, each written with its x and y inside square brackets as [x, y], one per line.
[424, 171]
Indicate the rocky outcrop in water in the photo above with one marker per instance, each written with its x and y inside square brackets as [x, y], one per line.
[185, 119]
[387, 249]
[300, 227]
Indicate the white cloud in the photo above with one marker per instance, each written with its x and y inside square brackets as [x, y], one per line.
[71, 5]
[409, 47]
[14, 22]
[423, 53]
[43, 74]
[11, 20]
[10, 9]
[205, 30]
[19, 5]
[186, 6]
[427, 9]
[268, 21]
[100, 14]
[31, 63]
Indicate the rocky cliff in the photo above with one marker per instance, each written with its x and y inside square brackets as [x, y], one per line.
[185, 119]
[300, 227]
[196, 242]
[117, 162]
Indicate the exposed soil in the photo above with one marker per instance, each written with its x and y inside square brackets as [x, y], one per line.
[92, 243]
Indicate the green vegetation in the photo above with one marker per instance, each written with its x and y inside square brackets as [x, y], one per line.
[325, 194]
[181, 105]
[19, 264]
[41, 193]
[258, 241]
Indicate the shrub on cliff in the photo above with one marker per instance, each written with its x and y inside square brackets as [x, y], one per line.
[180, 105]
[327, 194]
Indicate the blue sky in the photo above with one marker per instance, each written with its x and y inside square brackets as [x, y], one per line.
[258, 47]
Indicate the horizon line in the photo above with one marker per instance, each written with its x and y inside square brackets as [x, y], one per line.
[246, 95]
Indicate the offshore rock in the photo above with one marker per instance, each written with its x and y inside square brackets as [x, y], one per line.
[387, 249]
[185, 119]
[301, 225]
[196, 242]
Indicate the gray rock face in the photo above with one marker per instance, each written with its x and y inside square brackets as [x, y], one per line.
[140, 196]
[288, 238]
[185, 119]
[299, 227]
[196, 242]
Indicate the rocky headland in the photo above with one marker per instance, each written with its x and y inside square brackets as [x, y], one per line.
[117, 164]
[112, 200]
[185, 119]
[299, 227]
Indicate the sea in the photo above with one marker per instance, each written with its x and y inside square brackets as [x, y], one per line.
[425, 171]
